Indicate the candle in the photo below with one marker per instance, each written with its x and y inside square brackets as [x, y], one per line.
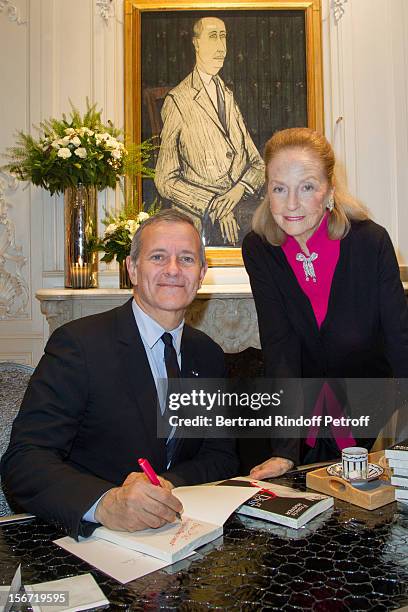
[81, 275]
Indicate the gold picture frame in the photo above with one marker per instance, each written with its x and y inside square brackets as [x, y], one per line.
[134, 12]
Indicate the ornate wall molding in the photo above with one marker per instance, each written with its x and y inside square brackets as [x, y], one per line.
[56, 313]
[229, 318]
[11, 12]
[231, 322]
[105, 9]
[338, 9]
[14, 292]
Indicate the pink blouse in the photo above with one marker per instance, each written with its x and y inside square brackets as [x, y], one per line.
[315, 275]
[316, 281]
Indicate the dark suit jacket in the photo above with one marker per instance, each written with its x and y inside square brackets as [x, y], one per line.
[365, 332]
[90, 412]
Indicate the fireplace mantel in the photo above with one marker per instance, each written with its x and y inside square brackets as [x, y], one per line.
[225, 312]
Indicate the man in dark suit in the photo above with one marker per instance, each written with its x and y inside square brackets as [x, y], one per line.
[90, 409]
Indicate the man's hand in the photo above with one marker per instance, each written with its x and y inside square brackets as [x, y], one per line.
[225, 203]
[229, 228]
[276, 466]
[138, 504]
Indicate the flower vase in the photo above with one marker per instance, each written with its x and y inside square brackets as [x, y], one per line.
[81, 227]
[124, 280]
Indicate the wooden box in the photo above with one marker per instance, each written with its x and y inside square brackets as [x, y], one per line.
[370, 497]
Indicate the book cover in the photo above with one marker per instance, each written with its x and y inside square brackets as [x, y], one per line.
[279, 504]
[398, 451]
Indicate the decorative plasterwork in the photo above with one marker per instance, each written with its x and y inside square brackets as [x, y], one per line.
[14, 291]
[11, 12]
[229, 320]
[105, 9]
[338, 9]
[232, 322]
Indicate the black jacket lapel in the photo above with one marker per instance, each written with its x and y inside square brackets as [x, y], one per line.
[189, 364]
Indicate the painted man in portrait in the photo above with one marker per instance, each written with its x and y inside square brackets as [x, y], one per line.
[208, 165]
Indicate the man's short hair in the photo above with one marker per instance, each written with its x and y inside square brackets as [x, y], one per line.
[198, 28]
[170, 215]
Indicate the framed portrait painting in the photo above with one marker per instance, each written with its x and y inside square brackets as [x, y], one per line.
[210, 82]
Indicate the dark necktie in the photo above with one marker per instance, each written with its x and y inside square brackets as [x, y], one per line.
[170, 357]
[220, 103]
[173, 372]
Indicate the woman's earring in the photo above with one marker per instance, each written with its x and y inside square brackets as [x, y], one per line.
[330, 203]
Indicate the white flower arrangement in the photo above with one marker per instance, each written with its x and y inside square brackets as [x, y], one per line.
[118, 234]
[69, 152]
[85, 143]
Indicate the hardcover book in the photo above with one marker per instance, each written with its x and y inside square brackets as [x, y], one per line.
[399, 481]
[398, 471]
[280, 504]
[398, 451]
[401, 495]
[206, 508]
[398, 463]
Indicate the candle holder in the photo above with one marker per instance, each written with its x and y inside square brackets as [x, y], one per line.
[81, 259]
[81, 275]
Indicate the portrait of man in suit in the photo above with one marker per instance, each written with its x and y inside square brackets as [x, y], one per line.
[208, 165]
[91, 408]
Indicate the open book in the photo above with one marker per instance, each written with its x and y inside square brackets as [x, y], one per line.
[280, 504]
[206, 508]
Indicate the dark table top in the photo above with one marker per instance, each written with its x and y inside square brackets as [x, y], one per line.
[345, 559]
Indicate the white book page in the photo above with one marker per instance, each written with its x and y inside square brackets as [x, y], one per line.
[212, 504]
[122, 564]
[170, 542]
[83, 593]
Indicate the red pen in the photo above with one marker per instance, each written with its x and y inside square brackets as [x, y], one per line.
[152, 476]
[149, 471]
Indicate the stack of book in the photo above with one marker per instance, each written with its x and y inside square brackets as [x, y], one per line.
[397, 457]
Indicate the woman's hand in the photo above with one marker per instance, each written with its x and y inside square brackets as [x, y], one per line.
[276, 466]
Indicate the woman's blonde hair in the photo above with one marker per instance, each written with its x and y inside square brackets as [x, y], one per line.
[346, 208]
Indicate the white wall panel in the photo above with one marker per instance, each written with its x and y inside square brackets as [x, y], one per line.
[21, 335]
[399, 70]
[369, 80]
[67, 50]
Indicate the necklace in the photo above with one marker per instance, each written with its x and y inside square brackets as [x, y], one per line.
[308, 267]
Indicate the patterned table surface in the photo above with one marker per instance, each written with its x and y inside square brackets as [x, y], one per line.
[345, 559]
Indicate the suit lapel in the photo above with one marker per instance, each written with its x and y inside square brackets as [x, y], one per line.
[228, 106]
[341, 274]
[189, 365]
[288, 280]
[137, 380]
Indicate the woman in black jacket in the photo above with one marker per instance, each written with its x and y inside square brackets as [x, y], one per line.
[327, 289]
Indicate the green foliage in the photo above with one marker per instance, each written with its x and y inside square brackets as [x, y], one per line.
[136, 168]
